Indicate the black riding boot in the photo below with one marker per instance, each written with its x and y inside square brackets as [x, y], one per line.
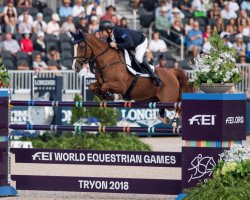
[149, 71]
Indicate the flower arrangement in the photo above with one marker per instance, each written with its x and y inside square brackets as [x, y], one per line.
[4, 76]
[235, 161]
[218, 66]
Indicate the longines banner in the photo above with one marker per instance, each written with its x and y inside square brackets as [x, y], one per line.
[136, 117]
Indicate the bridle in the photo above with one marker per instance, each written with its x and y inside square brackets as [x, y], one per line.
[83, 58]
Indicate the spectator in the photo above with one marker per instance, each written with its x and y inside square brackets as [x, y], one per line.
[199, 5]
[25, 13]
[39, 64]
[245, 5]
[136, 4]
[227, 13]
[219, 26]
[65, 10]
[97, 33]
[243, 15]
[158, 9]
[83, 25]
[239, 45]
[207, 33]
[68, 25]
[40, 44]
[26, 43]
[169, 4]
[115, 20]
[11, 27]
[162, 61]
[95, 4]
[93, 13]
[40, 5]
[233, 5]
[189, 26]
[244, 27]
[150, 57]
[54, 55]
[23, 65]
[231, 27]
[9, 11]
[25, 25]
[124, 23]
[226, 41]
[176, 31]
[24, 4]
[94, 25]
[10, 44]
[215, 12]
[161, 23]
[1, 9]
[176, 14]
[242, 57]
[157, 44]
[39, 24]
[186, 7]
[1, 42]
[110, 10]
[206, 46]
[194, 40]
[78, 9]
[2, 26]
[53, 26]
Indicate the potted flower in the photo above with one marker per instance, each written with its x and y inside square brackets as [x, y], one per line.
[216, 72]
[4, 76]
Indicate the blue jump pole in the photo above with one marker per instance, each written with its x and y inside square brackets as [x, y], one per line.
[93, 128]
[152, 105]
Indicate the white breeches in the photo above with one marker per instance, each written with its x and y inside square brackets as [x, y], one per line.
[140, 50]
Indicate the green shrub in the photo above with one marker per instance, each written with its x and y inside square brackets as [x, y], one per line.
[104, 141]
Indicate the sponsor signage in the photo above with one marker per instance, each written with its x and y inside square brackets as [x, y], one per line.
[197, 164]
[94, 157]
[214, 120]
[97, 184]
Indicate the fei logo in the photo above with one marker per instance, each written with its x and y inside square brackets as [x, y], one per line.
[43, 156]
[202, 120]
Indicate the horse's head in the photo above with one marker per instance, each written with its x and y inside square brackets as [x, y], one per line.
[82, 51]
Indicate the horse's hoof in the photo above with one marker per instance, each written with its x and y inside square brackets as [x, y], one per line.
[174, 125]
[163, 120]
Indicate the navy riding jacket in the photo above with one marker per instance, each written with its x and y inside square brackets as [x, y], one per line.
[127, 38]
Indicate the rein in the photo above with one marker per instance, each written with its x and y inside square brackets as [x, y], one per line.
[92, 57]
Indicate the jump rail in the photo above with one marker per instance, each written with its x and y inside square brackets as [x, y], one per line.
[152, 105]
[94, 128]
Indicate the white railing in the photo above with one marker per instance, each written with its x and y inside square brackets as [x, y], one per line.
[22, 80]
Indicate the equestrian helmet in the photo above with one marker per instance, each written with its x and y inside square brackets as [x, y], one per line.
[105, 25]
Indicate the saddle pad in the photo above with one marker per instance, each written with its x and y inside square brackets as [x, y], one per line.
[131, 70]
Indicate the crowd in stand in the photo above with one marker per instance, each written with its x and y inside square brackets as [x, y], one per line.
[32, 36]
[196, 20]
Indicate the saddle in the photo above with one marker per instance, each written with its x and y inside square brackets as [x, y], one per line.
[133, 66]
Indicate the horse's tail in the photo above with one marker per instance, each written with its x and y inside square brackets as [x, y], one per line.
[185, 87]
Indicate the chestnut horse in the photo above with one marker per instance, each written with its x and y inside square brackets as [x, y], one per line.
[113, 76]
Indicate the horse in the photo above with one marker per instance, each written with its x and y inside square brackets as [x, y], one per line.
[113, 76]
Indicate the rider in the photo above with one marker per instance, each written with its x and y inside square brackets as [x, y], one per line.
[121, 38]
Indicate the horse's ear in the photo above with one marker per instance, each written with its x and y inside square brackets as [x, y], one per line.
[74, 35]
[82, 35]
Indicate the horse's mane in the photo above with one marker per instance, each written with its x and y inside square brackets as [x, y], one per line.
[99, 41]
